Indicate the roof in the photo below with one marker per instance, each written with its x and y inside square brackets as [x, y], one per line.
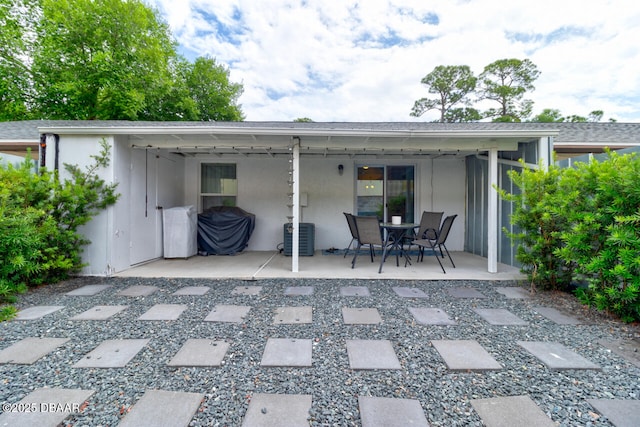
[335, 137]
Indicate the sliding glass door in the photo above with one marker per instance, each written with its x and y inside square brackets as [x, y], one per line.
[385, 191]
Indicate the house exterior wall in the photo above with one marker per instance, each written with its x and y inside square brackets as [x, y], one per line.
[263, 188]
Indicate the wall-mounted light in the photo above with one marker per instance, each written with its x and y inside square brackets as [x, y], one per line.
[340, 169]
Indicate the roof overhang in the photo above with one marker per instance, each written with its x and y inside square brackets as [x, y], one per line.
[274, 141]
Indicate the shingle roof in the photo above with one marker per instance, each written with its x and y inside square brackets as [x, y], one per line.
[592, 133]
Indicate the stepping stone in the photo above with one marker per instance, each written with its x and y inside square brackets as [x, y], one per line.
[465, 355]
[628, 349]
[112, 354]
[372, 354]
[465, 293]
[100, 312]
[29, 350]
[390, 412]
[299, 290]
[163, 408]
[293, 315]
[556, 356]
[88, 290]
[409, 292]
[137, 291]
[52, 406]
[270, 410]
[200, 352]
[246, 290]
[431, 316]
[499, 316]
[192, 290]
[354, 291]
[513, 292]
[37, 312]
[511, 411]
[620, 413]
[361, 316]
[163, 312]
[556, 316]
[287, 352]
[228, 313]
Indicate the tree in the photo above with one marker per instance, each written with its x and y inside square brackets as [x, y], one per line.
[506, 81]
[215, 96]
[452, 84]
[548, 115]
[104, 59]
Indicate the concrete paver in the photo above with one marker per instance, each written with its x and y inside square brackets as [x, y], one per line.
[431, 316]
[556, 316]
[138, 291]
[30, 350]
[511, 411]
[37, 312]
[354, 291]
[100, 312]
[51, 406]
[293, 315]
[389, 412]
[112, 354]
[88, 290]
[163, 408]
[276, 410]
[621, 413]
[513, 292]
[287, 352]
[192, 290]
[372, 354]
[556, 356]
[247, 290]
[500, 316]
[228, 313]
[465, 355]
[406, 292]
[163, 312]
[465, 292]
[298, 290]
[361, 316]
[200, 352]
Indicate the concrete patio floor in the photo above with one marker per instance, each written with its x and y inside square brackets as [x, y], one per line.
[272, 264]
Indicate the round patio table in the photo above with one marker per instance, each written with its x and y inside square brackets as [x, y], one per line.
[395, 234]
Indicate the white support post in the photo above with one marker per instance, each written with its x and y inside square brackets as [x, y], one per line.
[545, 151]
[492, 213]
[295, 235]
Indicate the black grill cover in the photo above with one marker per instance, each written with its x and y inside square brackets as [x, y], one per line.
[224, 230]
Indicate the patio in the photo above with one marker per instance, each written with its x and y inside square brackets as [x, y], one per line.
[272, 264]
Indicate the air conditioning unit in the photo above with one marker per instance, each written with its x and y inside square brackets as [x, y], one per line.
[306, 239]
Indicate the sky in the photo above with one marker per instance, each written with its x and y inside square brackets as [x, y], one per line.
[345, 60]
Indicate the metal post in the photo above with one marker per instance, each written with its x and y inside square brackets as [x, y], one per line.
[492, 213]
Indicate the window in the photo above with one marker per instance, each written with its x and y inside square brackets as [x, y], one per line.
[384, 191]
[218, 185]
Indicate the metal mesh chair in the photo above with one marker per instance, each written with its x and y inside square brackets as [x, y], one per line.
[352, 228]
[438, 240]
[368, 232]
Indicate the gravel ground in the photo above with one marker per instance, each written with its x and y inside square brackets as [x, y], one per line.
[445, 396]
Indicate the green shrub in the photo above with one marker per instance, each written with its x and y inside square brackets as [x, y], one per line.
[538, 217]
[39, 219]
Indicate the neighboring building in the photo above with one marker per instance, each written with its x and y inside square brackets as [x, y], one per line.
[305, 172]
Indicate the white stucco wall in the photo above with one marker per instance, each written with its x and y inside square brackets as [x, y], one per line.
[263, 188]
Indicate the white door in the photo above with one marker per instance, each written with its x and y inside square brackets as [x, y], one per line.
[146, 220]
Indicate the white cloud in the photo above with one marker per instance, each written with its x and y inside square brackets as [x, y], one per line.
[363, 60]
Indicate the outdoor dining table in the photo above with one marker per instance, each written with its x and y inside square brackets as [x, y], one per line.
[395, 235]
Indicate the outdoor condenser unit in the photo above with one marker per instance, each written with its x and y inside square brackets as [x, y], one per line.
[306, 239]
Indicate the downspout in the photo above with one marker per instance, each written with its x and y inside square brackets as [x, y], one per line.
[57, 152]
[43, 150]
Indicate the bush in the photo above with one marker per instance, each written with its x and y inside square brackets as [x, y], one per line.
[539, 219]
[39, 220]
[583, 225]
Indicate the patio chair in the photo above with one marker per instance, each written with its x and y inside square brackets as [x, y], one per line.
[429, 226]
[438, 240]
[368, 232]
[352, 228]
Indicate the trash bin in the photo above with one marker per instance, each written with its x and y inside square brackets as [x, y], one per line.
[180, 232]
